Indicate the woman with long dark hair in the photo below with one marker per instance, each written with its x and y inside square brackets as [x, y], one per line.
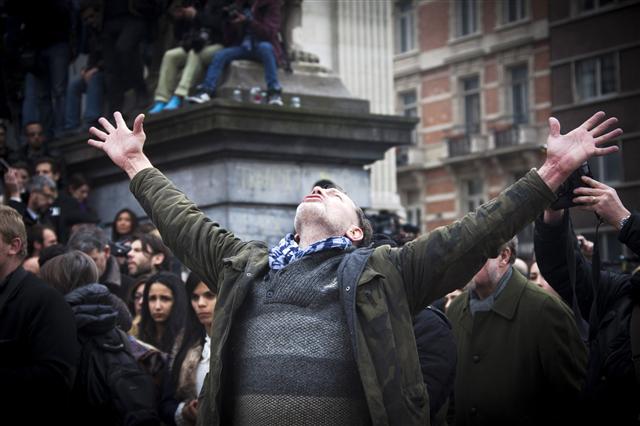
[125, 224]
[164, 310]
[191, 363]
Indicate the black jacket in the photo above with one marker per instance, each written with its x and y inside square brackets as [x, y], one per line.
[611, 394]
[38, 351]
[438, 354]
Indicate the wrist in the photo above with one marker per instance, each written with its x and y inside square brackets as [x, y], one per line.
[134, 165]
[622, 219]
[552, 174]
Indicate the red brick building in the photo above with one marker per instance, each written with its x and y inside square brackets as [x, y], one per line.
[477, 75]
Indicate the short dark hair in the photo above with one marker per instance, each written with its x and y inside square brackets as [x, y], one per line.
[154, 245]
[77, 180]
[35, 234]
[55, 165]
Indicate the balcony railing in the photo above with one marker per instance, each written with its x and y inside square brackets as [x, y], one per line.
[506, 137]
[459, 145]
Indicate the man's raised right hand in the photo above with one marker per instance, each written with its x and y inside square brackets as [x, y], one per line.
[123, 146]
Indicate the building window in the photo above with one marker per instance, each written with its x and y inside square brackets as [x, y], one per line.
[596, 77]
[473, 190]
[466, 14]
[405, 27]
[513, 11]
[590, 5]
[471, 104]
[607, 168]
[409, 108]
[519, 77]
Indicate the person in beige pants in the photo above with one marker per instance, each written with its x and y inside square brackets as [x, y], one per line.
[183, 65]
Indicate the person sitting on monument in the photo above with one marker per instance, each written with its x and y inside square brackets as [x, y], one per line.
[200, 28]
[251, 30]
[320, 326]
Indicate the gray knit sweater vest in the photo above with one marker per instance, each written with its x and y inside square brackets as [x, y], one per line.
[292, 360]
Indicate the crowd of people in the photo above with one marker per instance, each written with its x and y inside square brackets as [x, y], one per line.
[136, 55]
[180, 322]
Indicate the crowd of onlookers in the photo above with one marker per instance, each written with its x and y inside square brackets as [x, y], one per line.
[65, 63]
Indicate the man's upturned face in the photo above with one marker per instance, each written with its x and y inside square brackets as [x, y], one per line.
[138, 260]
[330, 207]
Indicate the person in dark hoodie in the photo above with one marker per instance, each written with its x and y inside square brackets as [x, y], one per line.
[98, 313]
[92, 241]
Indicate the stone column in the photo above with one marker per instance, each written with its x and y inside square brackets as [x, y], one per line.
[355, 40]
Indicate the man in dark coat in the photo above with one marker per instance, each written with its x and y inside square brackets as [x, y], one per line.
[38, 345]
[520, 357]
[92, 241]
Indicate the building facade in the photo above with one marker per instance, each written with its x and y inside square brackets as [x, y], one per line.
[476, 74]
[595, 60]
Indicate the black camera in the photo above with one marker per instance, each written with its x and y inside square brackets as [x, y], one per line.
[565, 192]
[196, 40]
[119, 249]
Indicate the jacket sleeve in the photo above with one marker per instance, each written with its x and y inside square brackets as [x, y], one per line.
[630, 233]
[268, 25]
[196, 240]
[448, 257]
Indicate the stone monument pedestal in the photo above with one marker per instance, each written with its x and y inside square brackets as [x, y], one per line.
[248, 166]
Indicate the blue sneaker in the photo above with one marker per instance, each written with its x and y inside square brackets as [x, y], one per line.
[157, 107]
[174, 103]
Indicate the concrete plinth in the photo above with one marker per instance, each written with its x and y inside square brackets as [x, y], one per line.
[248, 166]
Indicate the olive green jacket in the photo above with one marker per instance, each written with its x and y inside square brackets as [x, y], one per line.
[393, 286]
[521, 363]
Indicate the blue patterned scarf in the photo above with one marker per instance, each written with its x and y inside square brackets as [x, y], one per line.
[288, 250]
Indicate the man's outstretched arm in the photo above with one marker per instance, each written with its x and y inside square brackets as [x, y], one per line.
[196, 240]
[448, 257]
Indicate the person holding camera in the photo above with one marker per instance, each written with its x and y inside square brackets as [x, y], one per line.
[606, 300]
[200, 30]
[251, 30]
[93, 242]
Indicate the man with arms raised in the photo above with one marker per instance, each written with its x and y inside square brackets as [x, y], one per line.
[316, 330]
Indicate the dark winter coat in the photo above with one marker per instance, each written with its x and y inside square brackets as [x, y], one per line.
[521, 363]
[38, 351]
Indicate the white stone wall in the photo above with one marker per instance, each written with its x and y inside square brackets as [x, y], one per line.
[355, 40]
